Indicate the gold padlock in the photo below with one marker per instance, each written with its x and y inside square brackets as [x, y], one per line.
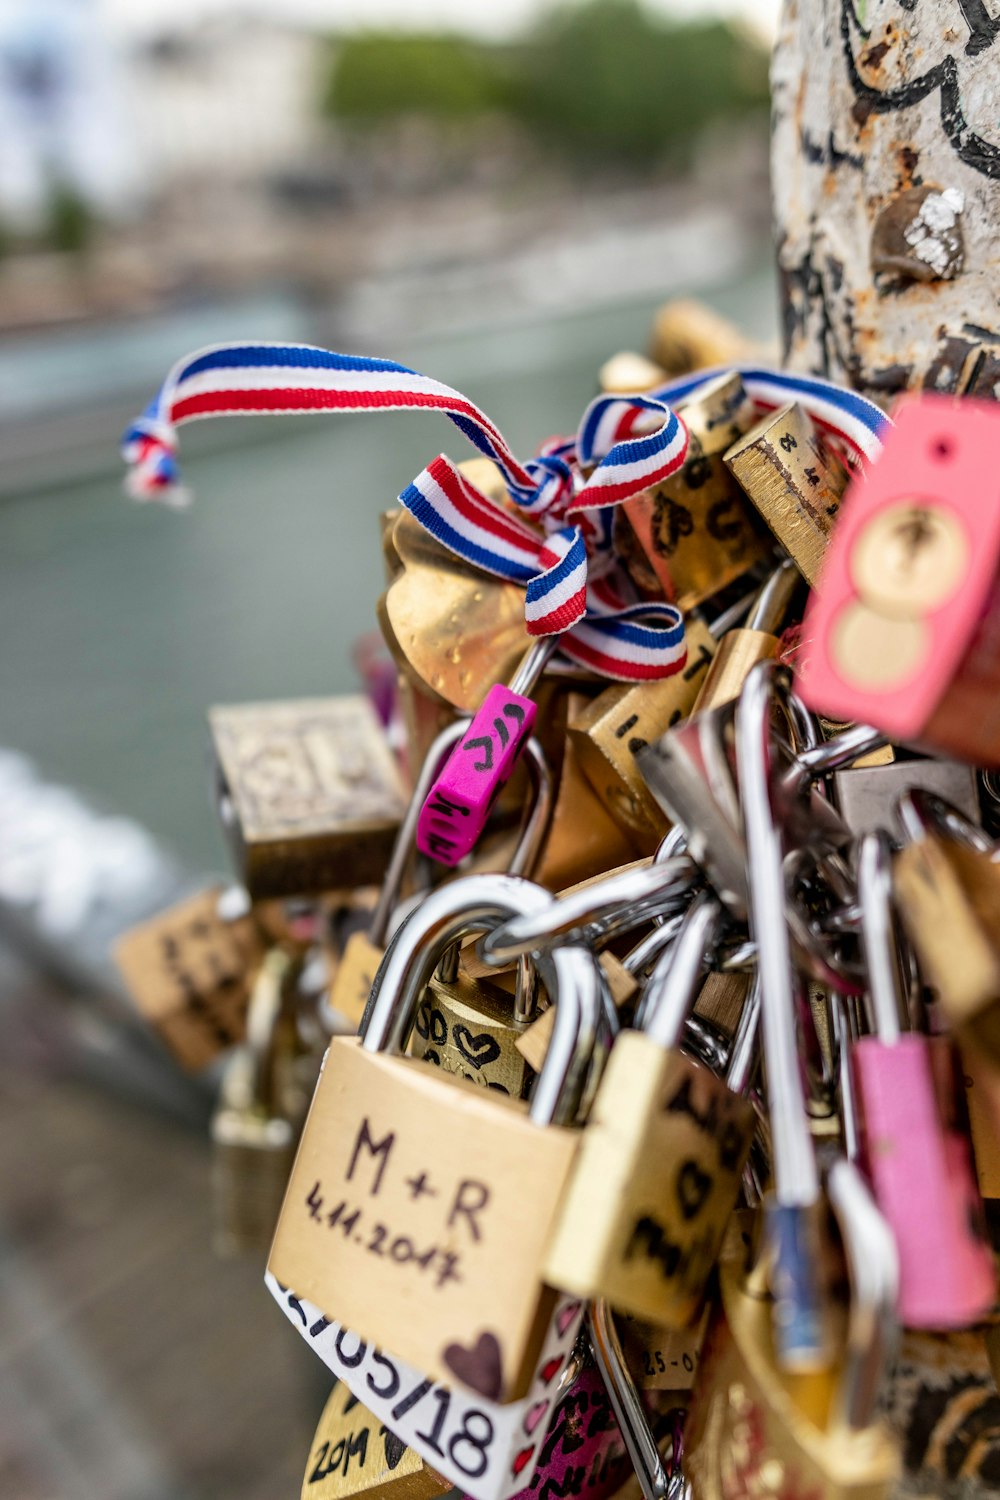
[756, 640]
[688, 335]
[608, 732]
[795, 480]
[663, 1152]
[584, 837]
[471, 1028]
[663, 1359]
[948, 894]
[262, 1103]
[753, 1429]
[309, 793]
[698, 530]
[189, 972]
[404, 1212]
[353, 1453]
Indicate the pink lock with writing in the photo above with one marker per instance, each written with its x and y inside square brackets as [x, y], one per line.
[459, 803]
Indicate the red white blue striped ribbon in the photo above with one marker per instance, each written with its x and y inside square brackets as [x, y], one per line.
[553, 565]
[855, 422]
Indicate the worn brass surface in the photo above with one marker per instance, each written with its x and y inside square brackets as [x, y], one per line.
[354, 1454]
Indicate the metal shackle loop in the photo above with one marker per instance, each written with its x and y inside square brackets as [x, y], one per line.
[465, 905]
[873, 1270]
[796, 1177]
[922, 812]
[887, 1010]
[656, 1481]
[673, 984]
[624, 900]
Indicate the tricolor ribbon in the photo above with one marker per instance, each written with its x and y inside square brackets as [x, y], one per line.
[561, 551]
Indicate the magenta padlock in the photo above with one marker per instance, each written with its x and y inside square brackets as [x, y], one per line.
[459, 802]
[920, 1168]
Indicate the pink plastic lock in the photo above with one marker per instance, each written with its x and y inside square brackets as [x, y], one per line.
[474, 775]
[917, 1158]
[898, 618]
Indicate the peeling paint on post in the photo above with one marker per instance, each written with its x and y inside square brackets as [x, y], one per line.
[886, 180]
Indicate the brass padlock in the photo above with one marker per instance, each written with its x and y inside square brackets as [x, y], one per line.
[404, 1213]
[471, 1028]
[697, 530]
[663, 1152]
[262, 1104]
[610, 730]
[753, 1429]
[353, 1453]
[948, 893]
[309, 793]
[741, 648]
[584, 837]
[688, 335]
[189, 971]
[663, 1359]
[795, 480]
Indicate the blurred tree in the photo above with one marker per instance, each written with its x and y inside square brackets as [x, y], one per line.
[603, 82]
[378, 75]
[608, 82]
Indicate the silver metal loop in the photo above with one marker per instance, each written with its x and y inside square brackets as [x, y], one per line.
[655, 1479]
[623, 901]
[674, 982]
[569, 974]
[921, 812]
[887, 1011]
[873, 1269]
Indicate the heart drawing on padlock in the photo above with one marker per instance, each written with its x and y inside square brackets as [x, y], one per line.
[551, 1366]
[535, 1415]
[478, 1050]
[566, 1315]
[480, 1366]
[693, 1188]
[522, 1460]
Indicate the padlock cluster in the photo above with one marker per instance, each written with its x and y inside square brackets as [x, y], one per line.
[650, 1025]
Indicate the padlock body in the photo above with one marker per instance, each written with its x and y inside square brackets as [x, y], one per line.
[459, 803]
[354, 976]
[655, 1184]
[314, 793]
[866, 796]
[417, 1213]
[747, 1432]
[189, 972]
[252, 1157]
[739, 652]
[353, 1453]
[795, 480]
[698, 530]
[621, 721]
[663, 1359]
[946, 1274]
[491, 1452]
[467, 1027]
[982, 1101]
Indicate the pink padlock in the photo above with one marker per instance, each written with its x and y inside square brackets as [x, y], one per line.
[918, 1161]
[459, 803]
[903, 628]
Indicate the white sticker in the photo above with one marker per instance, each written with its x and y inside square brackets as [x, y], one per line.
[488, 1450]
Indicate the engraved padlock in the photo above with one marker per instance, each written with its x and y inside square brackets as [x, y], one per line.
[353, 1453]
[256, 1123]
[697, 529]
[560, 1438]
[753, 1429]
[920, 1169]
[948, 891]
[308, 791]
[612, 728]
[902, 629]
[403, 1216]
[796, 481]
[189, 971]
[742, 647]
[658, 1174]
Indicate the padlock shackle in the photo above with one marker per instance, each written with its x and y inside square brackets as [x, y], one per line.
[888, 1011]
[624, 900]
[673, 985]
[656, 1481]
[438, 751]
[873, 1270]
[838, 752]
[569, 974]
[267, 1007]
[922, 812]
[796, 1178]
[771, 605]
[743, 1053]
[532, 665]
